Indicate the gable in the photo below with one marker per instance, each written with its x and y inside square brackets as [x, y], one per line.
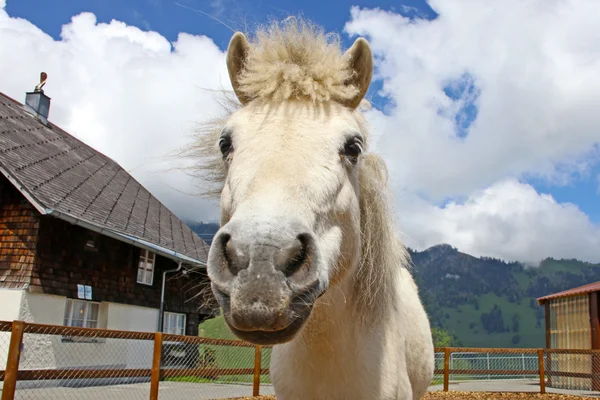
[62, 176]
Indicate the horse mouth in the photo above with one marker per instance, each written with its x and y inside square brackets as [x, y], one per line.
[264, 338]
[298, 312]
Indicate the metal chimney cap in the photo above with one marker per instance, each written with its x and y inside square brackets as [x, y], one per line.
[37, 103]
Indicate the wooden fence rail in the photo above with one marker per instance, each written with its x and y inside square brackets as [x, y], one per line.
[543, 370]
[12, 373]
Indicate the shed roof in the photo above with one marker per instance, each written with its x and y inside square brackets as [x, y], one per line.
[592, 287]
[62, 176]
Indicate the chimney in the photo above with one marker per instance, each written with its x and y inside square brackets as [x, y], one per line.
[36, 102]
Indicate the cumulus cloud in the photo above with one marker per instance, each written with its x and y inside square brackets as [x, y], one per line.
[508, 220]
[131, 94]
[533, 69]
[530, 69]
[486, 92]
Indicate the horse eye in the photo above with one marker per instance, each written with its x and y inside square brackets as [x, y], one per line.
[225, 145]
[353, 149]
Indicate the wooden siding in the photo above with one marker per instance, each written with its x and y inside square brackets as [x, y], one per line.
[110, 268]
[48, 255]
[19, 224]
[570, 329]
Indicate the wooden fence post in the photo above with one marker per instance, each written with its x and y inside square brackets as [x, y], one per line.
[446, 368]
[12, 363]
[158, 340]
[257, 360]
[542, 372]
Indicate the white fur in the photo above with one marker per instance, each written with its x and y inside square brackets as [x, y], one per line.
[368, 337]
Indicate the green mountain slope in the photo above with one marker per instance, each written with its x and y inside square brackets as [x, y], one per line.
[486, 302]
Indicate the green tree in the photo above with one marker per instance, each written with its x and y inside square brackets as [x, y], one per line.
[441, 337]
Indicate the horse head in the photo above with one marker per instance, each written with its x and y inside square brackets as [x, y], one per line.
[290, 201]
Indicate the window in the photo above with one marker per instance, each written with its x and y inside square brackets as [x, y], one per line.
[174, 323]
[145, 273]
[81, 314]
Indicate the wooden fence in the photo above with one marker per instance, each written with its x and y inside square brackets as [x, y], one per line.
[552, 364]
[546, 369]
[157, 372]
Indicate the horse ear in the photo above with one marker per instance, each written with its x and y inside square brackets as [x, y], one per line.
[361, 63]
[237, 52]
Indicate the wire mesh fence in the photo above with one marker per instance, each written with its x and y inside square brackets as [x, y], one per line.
[220, 368]
[5, 328]
[60, 362]
[564, 371]
[573, 370]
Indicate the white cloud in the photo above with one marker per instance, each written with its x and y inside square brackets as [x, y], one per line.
[536, 66]
[508, 220]
[135, 96]
[128, 93]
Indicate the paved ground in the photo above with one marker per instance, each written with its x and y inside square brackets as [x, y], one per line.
[167, 391]
[209, 391]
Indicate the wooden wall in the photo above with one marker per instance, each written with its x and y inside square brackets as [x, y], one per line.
[49, 255]
[570, 329]
[19, 225]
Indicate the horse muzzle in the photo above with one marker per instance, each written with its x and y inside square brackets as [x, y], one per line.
[266, 280]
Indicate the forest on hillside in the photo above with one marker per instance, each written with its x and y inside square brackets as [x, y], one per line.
[489, 302]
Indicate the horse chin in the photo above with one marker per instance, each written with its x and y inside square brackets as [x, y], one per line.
[297, 314]
[265, 338]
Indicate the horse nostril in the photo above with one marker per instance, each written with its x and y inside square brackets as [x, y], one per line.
[298, 255]
[228, 251]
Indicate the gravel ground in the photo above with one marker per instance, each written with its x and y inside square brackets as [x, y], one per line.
[494, 396]
[470, 396]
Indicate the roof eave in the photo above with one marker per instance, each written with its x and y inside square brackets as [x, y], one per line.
[24, 191]
[173, 255]
[579, 291]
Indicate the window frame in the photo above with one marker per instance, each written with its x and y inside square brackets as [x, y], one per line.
[146, 257]
[166, 324]
[68, 320]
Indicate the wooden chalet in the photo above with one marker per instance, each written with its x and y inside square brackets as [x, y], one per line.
[82, 243]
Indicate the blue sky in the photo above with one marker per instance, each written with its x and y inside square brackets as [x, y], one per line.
[464, 125]
[169, 18]
[208, 17]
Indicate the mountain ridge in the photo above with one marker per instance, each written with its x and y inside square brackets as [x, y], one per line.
[488, 302]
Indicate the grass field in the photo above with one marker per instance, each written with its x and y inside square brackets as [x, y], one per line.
[227, 357]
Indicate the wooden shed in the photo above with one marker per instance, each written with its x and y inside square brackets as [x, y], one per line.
[572, 322]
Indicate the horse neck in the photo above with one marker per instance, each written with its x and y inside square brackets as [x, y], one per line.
[351, 307]
[332, 322]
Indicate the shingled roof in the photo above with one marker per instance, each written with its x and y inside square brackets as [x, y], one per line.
[62, 176]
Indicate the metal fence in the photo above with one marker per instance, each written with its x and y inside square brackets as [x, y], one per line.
[565, 371]
[60, 362]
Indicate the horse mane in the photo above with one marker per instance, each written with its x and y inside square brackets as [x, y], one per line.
[297, 61]
[383, 254]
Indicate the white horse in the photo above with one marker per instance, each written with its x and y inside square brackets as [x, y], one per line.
[307, 257]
